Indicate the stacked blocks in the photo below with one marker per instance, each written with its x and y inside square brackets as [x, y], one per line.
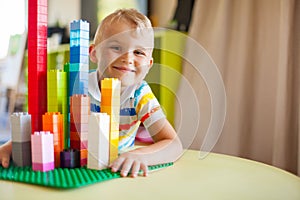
[42, 151]
[79, 57]
[110, 104]
[37, 61]
[79, 115]
[53, 122]
[21, 131]
[57, 98]
[70, 158]
[98, 140]
[67, 127]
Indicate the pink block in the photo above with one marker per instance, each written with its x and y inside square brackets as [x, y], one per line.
[43, 167]
[42, 149]
[83, 162]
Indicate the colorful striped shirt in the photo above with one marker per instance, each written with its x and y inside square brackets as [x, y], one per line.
[137, 105]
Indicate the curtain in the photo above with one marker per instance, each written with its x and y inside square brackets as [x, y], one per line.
[256, 46]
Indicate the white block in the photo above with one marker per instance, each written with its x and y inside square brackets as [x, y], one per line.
[20, 127]
[98, 140]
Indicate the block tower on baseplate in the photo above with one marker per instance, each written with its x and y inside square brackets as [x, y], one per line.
[110, 104]
[53, 123]
[42, 151]
[21, 131]
[78, 74]
[58, 100]
[79, 112]
[98, 140]
[37, 61]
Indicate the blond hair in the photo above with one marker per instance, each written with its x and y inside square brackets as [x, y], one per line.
[139, 21]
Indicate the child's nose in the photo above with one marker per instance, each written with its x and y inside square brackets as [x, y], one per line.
[128, 57]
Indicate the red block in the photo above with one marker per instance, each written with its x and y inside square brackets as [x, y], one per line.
[35, 3]
[78, 127]
[41, 9]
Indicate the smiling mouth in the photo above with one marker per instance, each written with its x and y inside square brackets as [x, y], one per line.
[125, 69]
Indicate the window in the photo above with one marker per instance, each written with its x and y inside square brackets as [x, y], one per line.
[12, 22]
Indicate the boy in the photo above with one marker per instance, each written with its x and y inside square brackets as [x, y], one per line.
[122, 49]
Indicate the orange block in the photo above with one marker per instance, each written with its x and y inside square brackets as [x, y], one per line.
[53, 117]
[83, 154]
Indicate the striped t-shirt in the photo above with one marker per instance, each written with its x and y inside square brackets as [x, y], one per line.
[137, 105]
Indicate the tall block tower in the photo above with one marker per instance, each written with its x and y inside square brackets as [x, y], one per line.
[37, 61]
[79, 115]
[21, 132]
[79, 57]
[110, 104]
[58, 99]
[98, 140]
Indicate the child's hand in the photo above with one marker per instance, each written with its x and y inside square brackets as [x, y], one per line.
[129, 163]
[5, 152]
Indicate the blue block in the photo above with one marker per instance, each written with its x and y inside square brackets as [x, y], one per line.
[79, 34]
[79, 59]
[79, 67]
[80, 25]
[79, 42]
[79, 50]
[78, 75]
[78, 88]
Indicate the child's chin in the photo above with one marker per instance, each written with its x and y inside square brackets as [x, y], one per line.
[126, 83]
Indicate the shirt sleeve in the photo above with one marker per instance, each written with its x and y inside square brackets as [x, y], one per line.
[147, 106]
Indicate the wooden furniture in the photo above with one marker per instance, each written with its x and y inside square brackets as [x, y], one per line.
[216, 176]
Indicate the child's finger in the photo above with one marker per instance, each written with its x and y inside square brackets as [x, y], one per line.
[144, 167]
[126, 167]
[5, 161]
[116, 165]
[135, 169]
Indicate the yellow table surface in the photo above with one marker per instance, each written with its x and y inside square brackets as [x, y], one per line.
[216, 176]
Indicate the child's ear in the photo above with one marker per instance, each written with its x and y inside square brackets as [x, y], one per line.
[150, 63]
[92, 52]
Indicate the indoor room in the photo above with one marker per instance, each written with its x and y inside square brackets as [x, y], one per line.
[204, 98]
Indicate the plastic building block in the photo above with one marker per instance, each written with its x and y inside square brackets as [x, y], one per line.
[78, 82]
[110, 104]
[80, 25]
[37, 61]
[21, 133]
[79, 111]
[20, 127]
[57, 96]
[21, 153]
[75, 67]
[53, 122]
[63, 178]
[42, 151]
[79, 57]
[70, 158]
[98, 139]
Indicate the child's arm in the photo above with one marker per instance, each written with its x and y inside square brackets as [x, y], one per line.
[5, 153]
[167, 148]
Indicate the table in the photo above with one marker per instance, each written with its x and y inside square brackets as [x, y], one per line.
[216, 176]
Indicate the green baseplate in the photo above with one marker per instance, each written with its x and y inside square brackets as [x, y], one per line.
[63, 177]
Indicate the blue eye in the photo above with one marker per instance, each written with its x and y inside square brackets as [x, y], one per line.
[116, 48]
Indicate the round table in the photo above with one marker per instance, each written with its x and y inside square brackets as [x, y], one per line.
[216, 176]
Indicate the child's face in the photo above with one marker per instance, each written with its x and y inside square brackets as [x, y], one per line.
[124, 53]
